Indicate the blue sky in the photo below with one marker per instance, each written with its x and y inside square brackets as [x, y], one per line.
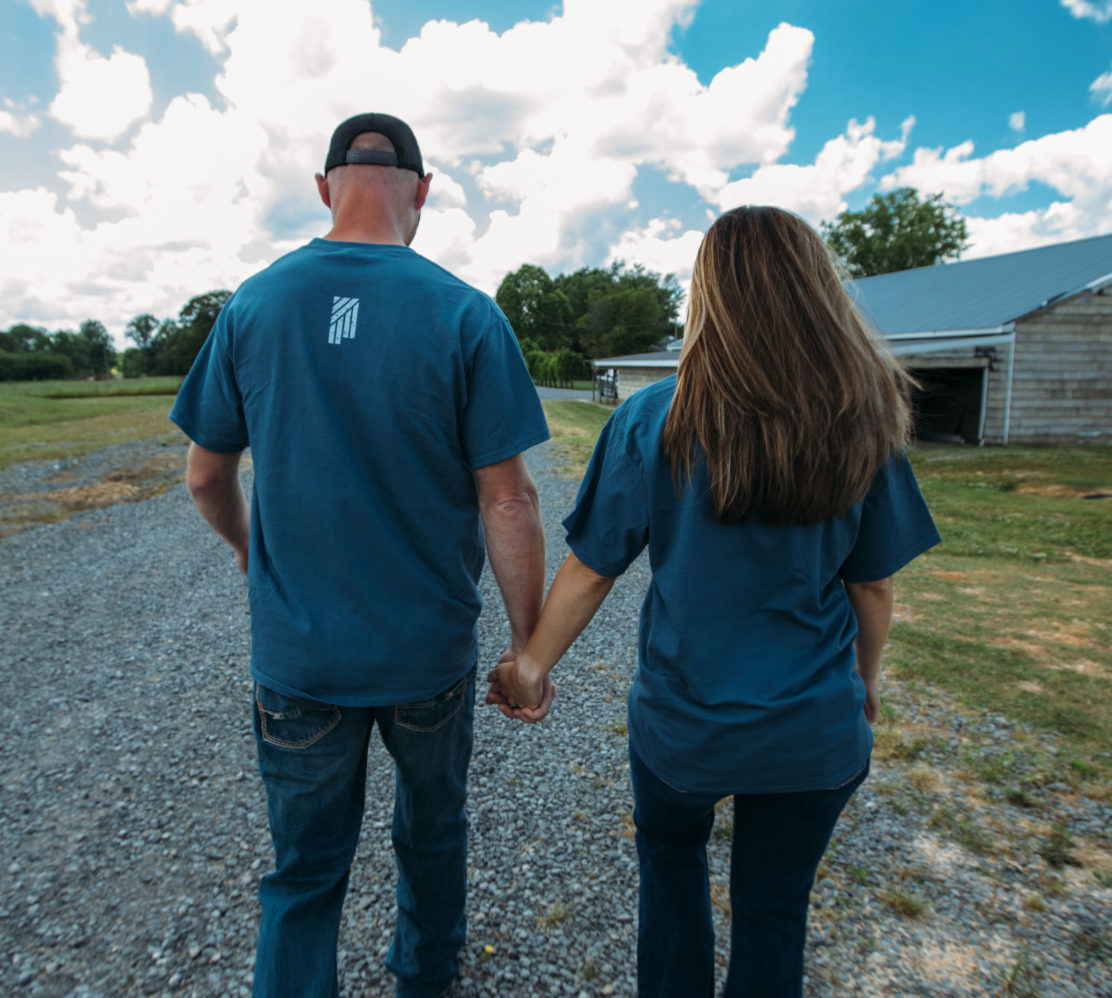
[154, 149]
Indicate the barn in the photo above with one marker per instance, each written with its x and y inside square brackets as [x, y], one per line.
[1009, 349]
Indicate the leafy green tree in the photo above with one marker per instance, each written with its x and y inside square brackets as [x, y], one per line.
[98, 346]
[141, 329]
[158, 350]
[592, 312]
[569, 366]
[580, 286]
[175, 346]
[133, 363]
[24, 338]
[537, 309]
[33, 365]
[620, 310]
[897, 231]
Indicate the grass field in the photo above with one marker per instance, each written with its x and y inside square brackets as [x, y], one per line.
[1011, 615]
[56, 419]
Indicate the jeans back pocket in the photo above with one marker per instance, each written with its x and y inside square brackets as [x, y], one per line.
[429, 715]
[293, 723]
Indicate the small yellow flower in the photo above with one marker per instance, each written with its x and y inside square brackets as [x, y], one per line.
[489, 948]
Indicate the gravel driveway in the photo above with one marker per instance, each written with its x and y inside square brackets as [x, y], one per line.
[133, 828]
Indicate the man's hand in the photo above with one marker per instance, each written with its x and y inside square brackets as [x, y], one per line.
[520, 692]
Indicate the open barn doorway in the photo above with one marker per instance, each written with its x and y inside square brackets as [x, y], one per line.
[949, 405]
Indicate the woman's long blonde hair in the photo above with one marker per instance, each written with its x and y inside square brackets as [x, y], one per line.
[792, 400]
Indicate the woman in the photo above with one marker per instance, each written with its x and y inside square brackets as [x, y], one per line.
[768, 480]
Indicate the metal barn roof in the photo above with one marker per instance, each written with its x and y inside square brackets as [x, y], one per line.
[959, 305]
[985, 293]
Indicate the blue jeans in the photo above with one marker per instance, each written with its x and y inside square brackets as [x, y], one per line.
[313, 760]
[778, 841]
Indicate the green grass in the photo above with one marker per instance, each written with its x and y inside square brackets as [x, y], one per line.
[59, 419]
[903, 902]
[1013, 612]
[575, 426]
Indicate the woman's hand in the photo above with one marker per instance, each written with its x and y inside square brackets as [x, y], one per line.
[520, 689]
[872, 701]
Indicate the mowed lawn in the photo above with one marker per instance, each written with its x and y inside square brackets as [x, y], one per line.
[57, 419]
[1012, 613]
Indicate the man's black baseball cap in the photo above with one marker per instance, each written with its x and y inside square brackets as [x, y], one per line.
[406, 154]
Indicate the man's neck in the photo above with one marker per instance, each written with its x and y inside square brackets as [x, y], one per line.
[380, 235]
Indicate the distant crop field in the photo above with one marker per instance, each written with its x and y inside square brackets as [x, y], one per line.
[57, 419]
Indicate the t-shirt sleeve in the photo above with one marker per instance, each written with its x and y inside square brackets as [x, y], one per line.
[895, 527]
[209, 407]
[503, 414]
[609, 526]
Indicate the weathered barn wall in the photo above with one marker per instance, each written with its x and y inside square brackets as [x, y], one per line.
[1062, 386]
[630, 379]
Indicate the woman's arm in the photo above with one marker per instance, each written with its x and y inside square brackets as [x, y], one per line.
[872, 605]
[576, 594]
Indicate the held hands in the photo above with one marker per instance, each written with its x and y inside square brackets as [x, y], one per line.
[519, 689]
[872, 701]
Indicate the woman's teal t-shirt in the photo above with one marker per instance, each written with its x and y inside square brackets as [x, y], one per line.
[746, 680]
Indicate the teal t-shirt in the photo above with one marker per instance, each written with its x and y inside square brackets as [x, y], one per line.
[369, 383]
[745, 680]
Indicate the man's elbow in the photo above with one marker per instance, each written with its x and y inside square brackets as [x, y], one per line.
[203, 483]
[877, 589]
[208, 474]
[520, 502]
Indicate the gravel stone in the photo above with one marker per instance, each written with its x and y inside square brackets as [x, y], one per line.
[134, 824]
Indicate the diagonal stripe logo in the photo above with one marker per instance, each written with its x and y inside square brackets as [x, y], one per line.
[345, 314]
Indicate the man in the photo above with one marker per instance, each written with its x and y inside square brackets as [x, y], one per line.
[387, 406]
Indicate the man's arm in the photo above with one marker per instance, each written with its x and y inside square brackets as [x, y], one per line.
[872, 605]
[510, 508]
[213, 481]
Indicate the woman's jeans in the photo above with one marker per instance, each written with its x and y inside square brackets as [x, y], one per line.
[313, 760]
[778, 841]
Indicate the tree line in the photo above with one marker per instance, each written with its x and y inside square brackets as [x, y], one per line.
[561, 322]
[161, 347]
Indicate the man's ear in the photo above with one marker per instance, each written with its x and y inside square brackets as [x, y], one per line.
[323, 191]
[423, 190]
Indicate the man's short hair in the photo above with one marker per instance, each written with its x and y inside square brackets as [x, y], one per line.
[405, 156]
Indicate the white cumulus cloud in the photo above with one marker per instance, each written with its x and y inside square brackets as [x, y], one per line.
[1074, 163]
[100, 98]
[816, 191]
[663, 246]
[1099, 11]
[69, 14]
[1101, 88]
[565, 141]
[209, 20]
[19, 124]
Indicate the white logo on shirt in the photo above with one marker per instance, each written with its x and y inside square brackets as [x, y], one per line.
[345, 312]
